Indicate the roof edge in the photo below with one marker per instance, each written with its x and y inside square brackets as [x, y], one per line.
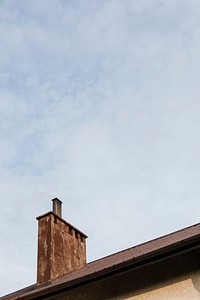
[178, 242]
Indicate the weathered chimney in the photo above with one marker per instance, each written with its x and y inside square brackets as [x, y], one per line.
[61, 246]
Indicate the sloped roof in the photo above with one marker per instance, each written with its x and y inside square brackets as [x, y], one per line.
[140, 255]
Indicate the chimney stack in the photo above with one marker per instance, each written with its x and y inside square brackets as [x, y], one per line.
[57, 207]
[61, 246]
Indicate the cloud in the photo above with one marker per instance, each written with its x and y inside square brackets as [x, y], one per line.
[99, 106]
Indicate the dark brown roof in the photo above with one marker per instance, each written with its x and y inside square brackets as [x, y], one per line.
[143, 254]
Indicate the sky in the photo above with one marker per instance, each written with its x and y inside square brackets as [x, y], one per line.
[99, 106]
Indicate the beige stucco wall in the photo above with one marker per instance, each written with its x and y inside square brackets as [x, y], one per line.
[183, 290]
[176, 278]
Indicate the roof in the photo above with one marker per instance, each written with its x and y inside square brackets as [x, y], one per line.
[150, 252]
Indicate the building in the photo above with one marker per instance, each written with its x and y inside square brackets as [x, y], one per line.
[164, 268]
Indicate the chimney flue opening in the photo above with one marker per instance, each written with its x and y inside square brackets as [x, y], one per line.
[57, 207]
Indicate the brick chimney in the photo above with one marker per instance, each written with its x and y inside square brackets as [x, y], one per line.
[61, 246]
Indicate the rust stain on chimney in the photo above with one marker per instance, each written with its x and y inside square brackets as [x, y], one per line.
[61, 246]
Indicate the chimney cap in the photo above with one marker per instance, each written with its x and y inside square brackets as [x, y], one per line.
[56, 199]
[57, 207]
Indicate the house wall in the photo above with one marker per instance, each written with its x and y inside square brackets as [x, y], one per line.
[175, 278]
[179, 290]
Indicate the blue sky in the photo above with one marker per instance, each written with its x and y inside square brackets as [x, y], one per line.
[99, 106]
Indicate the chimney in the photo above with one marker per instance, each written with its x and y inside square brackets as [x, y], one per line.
[61, 246]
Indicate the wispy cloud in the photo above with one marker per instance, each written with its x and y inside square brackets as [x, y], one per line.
[99, 105]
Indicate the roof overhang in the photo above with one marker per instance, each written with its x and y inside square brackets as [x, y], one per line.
[151, 252]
